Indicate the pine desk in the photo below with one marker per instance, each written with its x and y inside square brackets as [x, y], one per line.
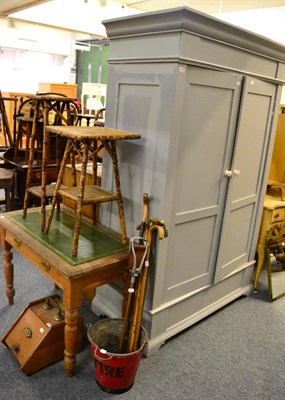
[101, 259]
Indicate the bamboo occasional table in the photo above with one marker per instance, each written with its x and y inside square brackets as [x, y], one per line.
[101, 259]
[88, 142]
[45, 106]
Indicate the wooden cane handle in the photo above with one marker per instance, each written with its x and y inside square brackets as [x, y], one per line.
[145, 207]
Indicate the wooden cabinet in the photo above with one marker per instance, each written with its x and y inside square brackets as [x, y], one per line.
[61, 88]
[277, 168]
[273, 216]
[205, 96]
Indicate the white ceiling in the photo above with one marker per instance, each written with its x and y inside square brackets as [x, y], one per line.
[10, 6]
[264, 17]
[206, 6]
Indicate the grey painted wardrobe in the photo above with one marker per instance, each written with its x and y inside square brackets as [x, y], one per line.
[204, 95]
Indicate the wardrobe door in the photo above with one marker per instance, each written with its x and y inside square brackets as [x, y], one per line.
[252, 137]
[206, 139]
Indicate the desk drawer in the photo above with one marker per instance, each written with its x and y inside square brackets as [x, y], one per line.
[37, 259]
[278, 215]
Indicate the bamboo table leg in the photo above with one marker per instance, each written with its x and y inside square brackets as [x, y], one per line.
[44, 166]
[78, 211]
[118, 191]
[31, 160]
[28, 137]
[67, 151]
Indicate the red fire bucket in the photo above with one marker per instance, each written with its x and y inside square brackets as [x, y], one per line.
[114, 372]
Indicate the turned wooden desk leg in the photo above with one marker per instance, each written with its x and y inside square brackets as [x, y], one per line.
[8, 272]
[260, 260]
[70, 334]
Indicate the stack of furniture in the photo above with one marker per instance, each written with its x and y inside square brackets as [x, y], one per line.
[33, 114]
[44, 105]
[7, 132]
[10, 107]
[6, 172]
[17, 156]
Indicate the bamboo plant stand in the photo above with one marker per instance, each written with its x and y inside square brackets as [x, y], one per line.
[88, 142]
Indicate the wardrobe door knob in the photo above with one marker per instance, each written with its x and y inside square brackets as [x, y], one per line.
[237, 172]
[228, 173]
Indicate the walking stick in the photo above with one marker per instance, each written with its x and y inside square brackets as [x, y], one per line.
[138, 261]
[138, 249]
[143, 226]
[159, 226]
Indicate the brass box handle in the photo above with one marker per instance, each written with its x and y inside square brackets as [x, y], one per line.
[28, 333]
[46, 265]
[17, 242]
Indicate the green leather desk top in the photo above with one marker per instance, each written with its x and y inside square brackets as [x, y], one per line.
[94, 243]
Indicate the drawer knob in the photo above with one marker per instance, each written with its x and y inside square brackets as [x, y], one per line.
[276, 215]
[15, 348]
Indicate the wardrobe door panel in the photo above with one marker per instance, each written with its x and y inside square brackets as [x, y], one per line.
[247, 168]
[210, 112]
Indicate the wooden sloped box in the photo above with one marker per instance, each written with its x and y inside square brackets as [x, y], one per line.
[36, 338]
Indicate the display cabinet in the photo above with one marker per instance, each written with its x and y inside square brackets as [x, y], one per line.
[69, 90]
[205, 96]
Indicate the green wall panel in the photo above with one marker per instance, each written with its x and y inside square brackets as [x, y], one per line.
[92, 66]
